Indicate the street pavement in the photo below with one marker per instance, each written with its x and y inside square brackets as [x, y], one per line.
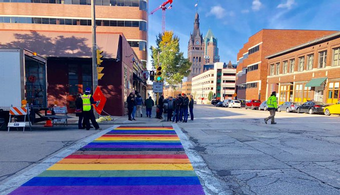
[231, 150]
[299, 155]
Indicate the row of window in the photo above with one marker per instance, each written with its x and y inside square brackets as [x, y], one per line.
[141, 44]
[252, 67]
[142, 4]
[254, 49]
[61, 21]
[247, 86]
[228, 74]
[321, 63]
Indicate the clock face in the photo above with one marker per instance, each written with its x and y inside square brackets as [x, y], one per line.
[197, 42]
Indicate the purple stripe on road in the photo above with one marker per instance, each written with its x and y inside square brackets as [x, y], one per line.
[116, 190]
[133, 146]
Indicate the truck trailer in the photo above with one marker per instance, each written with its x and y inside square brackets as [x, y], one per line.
[23, 76]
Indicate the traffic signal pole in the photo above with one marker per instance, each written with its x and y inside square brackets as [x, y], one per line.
[94, 46]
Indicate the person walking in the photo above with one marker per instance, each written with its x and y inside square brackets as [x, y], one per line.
[149, 103]
[185, 108]
[131, 104]
[170, 108]
[272, 108]
[88, 109]
[139, 102]
[79, 112]
[191, 107]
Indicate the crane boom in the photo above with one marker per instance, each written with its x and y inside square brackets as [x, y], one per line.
[163, 7]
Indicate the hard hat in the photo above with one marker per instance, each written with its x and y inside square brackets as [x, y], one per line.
[88, 90]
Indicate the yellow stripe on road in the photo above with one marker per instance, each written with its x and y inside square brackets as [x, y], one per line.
[137, 138]
[89, 167]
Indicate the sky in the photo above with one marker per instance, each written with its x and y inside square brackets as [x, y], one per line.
[234, 21]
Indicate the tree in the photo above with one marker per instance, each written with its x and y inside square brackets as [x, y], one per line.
[167, 54]
[210, 96]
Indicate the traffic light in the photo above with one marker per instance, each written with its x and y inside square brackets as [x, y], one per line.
[159, 74]
[152, 75]
[99, 57]
[99, 72]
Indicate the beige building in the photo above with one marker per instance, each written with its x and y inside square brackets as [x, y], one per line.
[220, 81]
[186, 87]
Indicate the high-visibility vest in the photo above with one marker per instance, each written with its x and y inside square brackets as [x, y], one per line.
[86, 102]
[272, 102]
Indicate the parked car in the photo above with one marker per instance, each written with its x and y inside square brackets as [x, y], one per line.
[226, 103]
[234, 104]
[288, 107]
[333, 109]
[312, 107]
[219, 104]
[253, 104]
[263, 106]
[214, 101]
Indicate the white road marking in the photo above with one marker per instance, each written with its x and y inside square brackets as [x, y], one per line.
[210, 183]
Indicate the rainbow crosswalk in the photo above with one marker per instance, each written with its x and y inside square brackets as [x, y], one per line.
[128, 160]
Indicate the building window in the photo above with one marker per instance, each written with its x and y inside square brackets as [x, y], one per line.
[333, 93]
[253, 50]
[277, 68]
[301, 63]
[336, 57]
[271, 69]
[292, 65]
[302, 93]
[251, 85]
[322, 59]
[252, 67]
[310, 61]
[285, 67]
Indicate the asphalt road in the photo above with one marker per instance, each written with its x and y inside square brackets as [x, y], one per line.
[298, 156]
[232, 151]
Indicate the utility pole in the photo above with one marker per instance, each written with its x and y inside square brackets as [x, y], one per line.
[94, 46]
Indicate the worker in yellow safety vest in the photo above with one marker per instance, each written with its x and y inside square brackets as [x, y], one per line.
[272, 108]
[88, 109]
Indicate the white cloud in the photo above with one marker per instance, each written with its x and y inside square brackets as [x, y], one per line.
[256, 5]
[217, 11]
[245, 11]
[287, 5]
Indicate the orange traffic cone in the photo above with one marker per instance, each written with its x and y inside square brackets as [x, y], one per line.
[48, 123]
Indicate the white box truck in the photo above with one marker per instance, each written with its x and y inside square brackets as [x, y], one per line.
[23, 76]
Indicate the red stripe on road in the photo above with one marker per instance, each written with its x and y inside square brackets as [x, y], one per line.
[180, 156]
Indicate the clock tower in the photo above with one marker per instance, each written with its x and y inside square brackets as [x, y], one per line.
[196, 50]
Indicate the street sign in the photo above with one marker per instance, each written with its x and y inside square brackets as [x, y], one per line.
[158, 87]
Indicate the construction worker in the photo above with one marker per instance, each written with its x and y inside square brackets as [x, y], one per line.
[88, 109]
[272, 108]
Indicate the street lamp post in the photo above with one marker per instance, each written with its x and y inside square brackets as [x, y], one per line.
[94, 46]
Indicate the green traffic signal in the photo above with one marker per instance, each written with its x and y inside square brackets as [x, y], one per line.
[159, 78]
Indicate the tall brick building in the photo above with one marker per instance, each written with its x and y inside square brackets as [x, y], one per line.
[196, 49]
[251, 78]
[60, 30]
[310, 71]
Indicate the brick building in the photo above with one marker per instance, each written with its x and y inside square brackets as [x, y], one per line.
[61, 31]
[251, 78]
[310, 71]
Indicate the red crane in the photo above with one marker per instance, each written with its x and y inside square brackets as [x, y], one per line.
[164, 8]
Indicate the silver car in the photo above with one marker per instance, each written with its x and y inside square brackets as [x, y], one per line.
[263, 106]
[288, 107]
[226, 103]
